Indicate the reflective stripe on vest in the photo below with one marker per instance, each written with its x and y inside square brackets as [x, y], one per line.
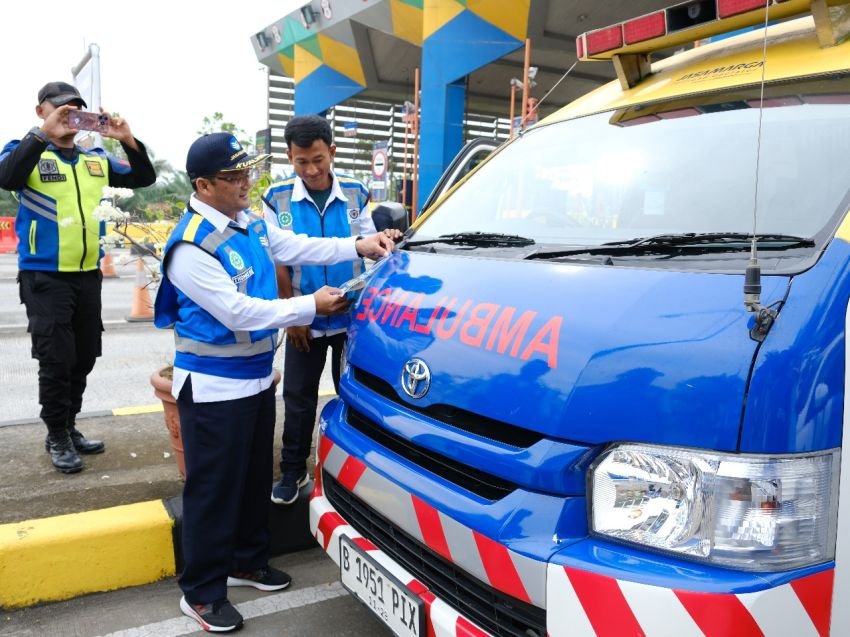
[204, 344]
[244, 348]
[56, 227]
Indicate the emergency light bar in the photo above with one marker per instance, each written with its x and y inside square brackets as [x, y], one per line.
[629, 43]
[680, 24]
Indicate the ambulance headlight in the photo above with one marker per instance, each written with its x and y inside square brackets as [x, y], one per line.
[749, 512]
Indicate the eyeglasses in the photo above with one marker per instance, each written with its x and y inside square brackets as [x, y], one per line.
[242, 178]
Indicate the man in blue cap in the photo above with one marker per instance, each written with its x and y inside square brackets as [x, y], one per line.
[219, 292]
[59, 184]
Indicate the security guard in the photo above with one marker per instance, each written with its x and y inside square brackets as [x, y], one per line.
[219, 293]
[59, 185]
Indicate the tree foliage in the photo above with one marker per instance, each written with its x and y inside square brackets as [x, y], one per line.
[165, 199]
[217, 124]
[8, 204]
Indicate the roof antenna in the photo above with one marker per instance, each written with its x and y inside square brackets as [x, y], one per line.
[764, 316]
[549, 92]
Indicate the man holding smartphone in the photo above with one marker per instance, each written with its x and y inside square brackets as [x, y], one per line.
[58, 185]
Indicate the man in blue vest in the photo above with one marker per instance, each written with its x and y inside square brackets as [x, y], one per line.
[219, 293]
[59, 185]
[319, 203]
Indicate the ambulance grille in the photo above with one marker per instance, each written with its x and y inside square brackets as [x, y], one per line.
[455, 417]
[497, 613]
[474, 480]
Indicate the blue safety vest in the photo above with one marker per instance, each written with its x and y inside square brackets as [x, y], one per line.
[341, 218]
[202, 343]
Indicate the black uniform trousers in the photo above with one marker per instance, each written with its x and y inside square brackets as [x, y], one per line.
[64, 314]
[302, 372]
[228, 448]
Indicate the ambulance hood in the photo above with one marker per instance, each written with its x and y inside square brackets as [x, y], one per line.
[590, 354]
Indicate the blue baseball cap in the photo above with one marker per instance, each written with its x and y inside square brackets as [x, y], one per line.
[218, 152]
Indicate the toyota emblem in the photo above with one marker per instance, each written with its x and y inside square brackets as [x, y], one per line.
[415, 378]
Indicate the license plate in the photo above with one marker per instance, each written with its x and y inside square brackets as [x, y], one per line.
[401, 610]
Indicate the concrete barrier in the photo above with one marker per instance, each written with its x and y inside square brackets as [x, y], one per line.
[65, 556]
[69, 555]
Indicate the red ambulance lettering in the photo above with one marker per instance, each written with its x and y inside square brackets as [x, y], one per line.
[479, 321]
[365, 302]
[410, 312]
[550, 331]
[489, 325]
[375, 312]
[506, 334]
[394, 305]
[426, 329]
[447, 332]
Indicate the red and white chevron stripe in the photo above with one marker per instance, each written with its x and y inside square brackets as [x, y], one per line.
[579, 603]
[584, 604]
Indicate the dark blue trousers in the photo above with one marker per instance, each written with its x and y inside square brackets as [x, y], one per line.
[228, 447]
[302, 372]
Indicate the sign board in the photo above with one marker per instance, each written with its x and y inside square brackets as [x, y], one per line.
[528, 122]
[349, 129]
[263, 141]
[379, 161]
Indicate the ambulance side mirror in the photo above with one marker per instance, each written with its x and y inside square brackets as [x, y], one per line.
[390, 214]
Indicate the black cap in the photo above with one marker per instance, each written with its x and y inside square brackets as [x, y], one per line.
[218, 152]
[59, 93]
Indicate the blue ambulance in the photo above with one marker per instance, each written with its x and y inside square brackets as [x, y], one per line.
[599, 390]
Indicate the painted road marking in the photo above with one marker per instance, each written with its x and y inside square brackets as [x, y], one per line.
[134, 411]
[266, 605]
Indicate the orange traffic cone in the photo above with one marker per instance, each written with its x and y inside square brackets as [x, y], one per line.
[107, 268]
[141, 308]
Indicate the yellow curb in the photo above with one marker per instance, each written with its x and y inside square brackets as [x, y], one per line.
[322, 394]
[134, 411]
[61, 557]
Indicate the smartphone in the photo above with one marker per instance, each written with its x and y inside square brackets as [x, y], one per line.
[351, 288]
[83, 120]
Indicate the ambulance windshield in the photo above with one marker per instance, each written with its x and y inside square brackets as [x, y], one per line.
[668, 169]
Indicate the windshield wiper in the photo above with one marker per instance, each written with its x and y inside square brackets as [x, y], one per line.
[701, 239]
[696, 241]
[477, 239]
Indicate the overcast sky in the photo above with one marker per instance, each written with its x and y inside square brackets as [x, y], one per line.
[164, 65]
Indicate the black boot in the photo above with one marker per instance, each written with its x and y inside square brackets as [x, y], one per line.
[83, 444]
[62, 453]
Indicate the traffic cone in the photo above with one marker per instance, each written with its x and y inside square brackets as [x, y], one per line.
[107, 268]
[141, 308]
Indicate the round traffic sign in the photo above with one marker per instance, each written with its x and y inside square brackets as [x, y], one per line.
[379, 162]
